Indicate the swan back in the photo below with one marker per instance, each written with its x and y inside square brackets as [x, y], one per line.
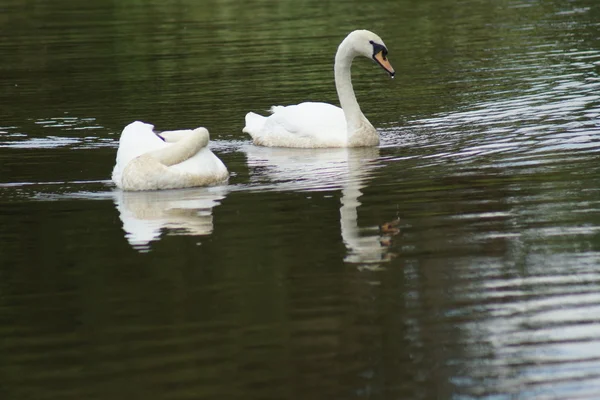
[296, 125]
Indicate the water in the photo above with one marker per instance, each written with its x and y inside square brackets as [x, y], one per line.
[460, 259]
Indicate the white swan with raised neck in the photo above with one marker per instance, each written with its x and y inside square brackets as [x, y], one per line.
[312, 124]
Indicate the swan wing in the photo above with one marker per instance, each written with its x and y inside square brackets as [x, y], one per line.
[308, 124]
[147, 173]
[136, 139]
[204, 163]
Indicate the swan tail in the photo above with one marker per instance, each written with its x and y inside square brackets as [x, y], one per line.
[274, 109]
[254, 124]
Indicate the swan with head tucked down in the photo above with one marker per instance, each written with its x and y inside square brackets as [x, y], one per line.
[168, 160]
[311, 124]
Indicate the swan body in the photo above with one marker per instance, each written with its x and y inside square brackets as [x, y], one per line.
[313, 125]
[169, 160]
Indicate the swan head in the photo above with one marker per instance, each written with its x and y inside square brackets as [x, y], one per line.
[370, 45]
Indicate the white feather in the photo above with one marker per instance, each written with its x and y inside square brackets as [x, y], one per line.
[147, 162]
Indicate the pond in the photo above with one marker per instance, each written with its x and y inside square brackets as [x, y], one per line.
[459, 259]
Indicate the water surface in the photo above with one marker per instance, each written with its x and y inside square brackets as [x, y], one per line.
[460, 259]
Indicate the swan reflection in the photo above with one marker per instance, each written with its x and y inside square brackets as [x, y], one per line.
[348, 169]
[185, 211]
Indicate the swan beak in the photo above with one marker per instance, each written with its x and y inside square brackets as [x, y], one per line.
[385, 64]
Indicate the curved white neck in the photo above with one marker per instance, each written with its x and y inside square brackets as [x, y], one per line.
[185, 145]
[343, 83]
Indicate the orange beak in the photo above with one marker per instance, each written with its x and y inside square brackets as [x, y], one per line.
[385, 64]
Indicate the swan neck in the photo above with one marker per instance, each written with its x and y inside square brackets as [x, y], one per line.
[184, 147]
[343, 83]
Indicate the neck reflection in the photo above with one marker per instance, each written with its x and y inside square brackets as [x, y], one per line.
[345, 169]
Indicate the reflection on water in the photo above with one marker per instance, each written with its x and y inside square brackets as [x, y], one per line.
[370, 246]
[328, 169]
[182, 212]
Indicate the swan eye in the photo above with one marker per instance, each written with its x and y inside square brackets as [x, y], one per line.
[378, 48]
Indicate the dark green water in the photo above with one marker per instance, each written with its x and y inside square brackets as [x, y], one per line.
[288, 283]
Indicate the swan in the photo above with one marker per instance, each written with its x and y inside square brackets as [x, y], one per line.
[311, 124]
[168, 160]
